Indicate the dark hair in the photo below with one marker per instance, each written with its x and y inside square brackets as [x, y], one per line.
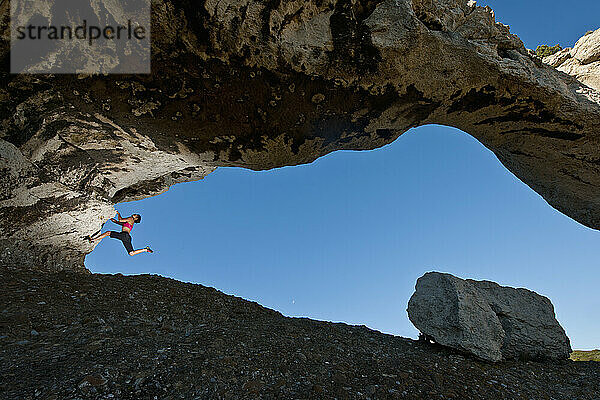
[137, 218]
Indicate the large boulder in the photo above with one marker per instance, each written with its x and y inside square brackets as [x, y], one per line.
[485, 319]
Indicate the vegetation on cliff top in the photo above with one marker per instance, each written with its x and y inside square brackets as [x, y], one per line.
[545, 50]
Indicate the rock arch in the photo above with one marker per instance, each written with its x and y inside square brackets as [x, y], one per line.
[266, 84]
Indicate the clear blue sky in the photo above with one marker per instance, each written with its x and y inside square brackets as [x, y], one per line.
[345, 238]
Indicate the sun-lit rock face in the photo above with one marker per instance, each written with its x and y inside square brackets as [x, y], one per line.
[272, 83]
[582, 61]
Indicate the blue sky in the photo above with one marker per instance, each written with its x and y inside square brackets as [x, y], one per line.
[345, 238]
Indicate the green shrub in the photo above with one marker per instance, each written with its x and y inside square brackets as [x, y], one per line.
[545, 51]
[580, 355]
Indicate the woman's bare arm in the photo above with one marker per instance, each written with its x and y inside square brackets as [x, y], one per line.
[120, 220]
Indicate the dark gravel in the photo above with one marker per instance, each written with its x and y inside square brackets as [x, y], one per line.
[80, 336]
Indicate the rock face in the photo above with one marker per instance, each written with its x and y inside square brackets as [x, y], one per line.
[260, 85]
[587, 49]
[490, 321]
[582, 61]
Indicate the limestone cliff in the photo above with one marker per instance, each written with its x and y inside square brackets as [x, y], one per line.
[271, 83]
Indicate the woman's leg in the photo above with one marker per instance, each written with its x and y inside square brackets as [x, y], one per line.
[96, 239]
[135, 252]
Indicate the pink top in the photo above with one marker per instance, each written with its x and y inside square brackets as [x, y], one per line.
[128, 225]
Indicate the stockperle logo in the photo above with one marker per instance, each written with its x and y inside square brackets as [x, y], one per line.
[80, 36]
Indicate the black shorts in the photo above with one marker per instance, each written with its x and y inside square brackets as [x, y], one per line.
[124, 237]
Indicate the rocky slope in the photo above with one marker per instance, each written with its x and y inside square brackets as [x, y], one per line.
[262, 84]
[69, 335]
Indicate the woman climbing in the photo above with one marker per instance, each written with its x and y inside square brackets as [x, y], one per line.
[123, 236]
